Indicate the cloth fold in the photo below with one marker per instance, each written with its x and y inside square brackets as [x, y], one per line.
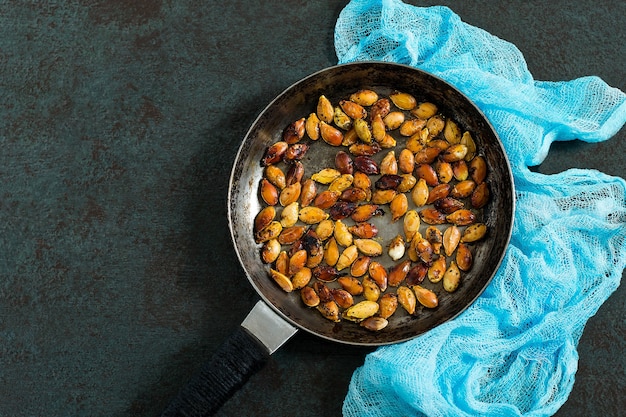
[513, 352]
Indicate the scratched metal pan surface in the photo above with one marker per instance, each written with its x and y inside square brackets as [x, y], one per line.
[336, 83]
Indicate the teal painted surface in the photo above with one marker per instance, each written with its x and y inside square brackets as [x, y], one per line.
[119, 121]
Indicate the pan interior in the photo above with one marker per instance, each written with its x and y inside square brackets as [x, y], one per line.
[338, 83]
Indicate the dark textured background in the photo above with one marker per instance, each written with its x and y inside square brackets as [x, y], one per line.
[119, 121]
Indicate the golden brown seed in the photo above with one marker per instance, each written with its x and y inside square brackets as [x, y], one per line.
[329, 310]
[378, 274]
[276, 176]
[460, 170]
[309, 297]
[295, 173]
[464, 258]
[374, 324]
[411, 126]
[362, 181]
[427, 172]
[444, 172]
[398, 273]
[382, 107]
[437, 269]
[325, 229]
[396, 248]
[454, 153]
[342, 234]
[341, 119]
[480, 195]
[426, 297]
[290, 234]
[349, 138]
[290, 193]
[463, 189]
[362, 130]
[270, 251]
[406, 161]
[420, 192]
[424, 250]
[451, 239]
[398, 206]
[474, 232]
[452, 132]
[393, 120]
[407, 183]
[427, 155]
[312, 215]
[274, 153]
[478, 169]
[435, 237]
[342, 297]
[308, 192]
[371, 290]
[424, 110]
[407, 299]
[387, 142]
[364, 97]
[435, 125]
[341, 183]
[326, 199]
[289, 215]
[403, 101]
[351, 284]
[347, 258]
[297, 261]
[325, 111]
[360, 266]
[315, 259]
[360, 311]
[269, 192]
[271, 231]
[439, 143]
[369, 247]
[383, 196]
[360, 149]
[326, 175]
[411, 224]
[312, 126]
[438, 192]
[379, 130]
[389, 164]
[330, 134]
[352, 109]
[331, 252]
[354, 195]
[432, 216]
[388, 304]
[282, 263]
[363, 230]
[301, 278]
[295, 131]
[462, 217]
[282, 280]
[264, 218]
[469, 143]
[452, 277]
[365, 212]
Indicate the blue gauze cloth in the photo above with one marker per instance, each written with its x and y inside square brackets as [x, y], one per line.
[513, 352]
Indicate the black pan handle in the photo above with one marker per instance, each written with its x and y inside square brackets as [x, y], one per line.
[235, 361]
[243, 354]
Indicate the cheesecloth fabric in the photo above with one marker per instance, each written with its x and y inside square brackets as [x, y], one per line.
[513, 352]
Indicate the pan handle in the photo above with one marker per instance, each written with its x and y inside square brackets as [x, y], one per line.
[234, 362]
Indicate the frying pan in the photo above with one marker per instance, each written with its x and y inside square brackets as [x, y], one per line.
[278, 315]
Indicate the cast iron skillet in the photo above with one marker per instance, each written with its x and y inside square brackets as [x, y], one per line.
[243, 354]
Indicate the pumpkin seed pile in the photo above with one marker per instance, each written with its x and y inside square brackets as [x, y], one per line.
[316, 230]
